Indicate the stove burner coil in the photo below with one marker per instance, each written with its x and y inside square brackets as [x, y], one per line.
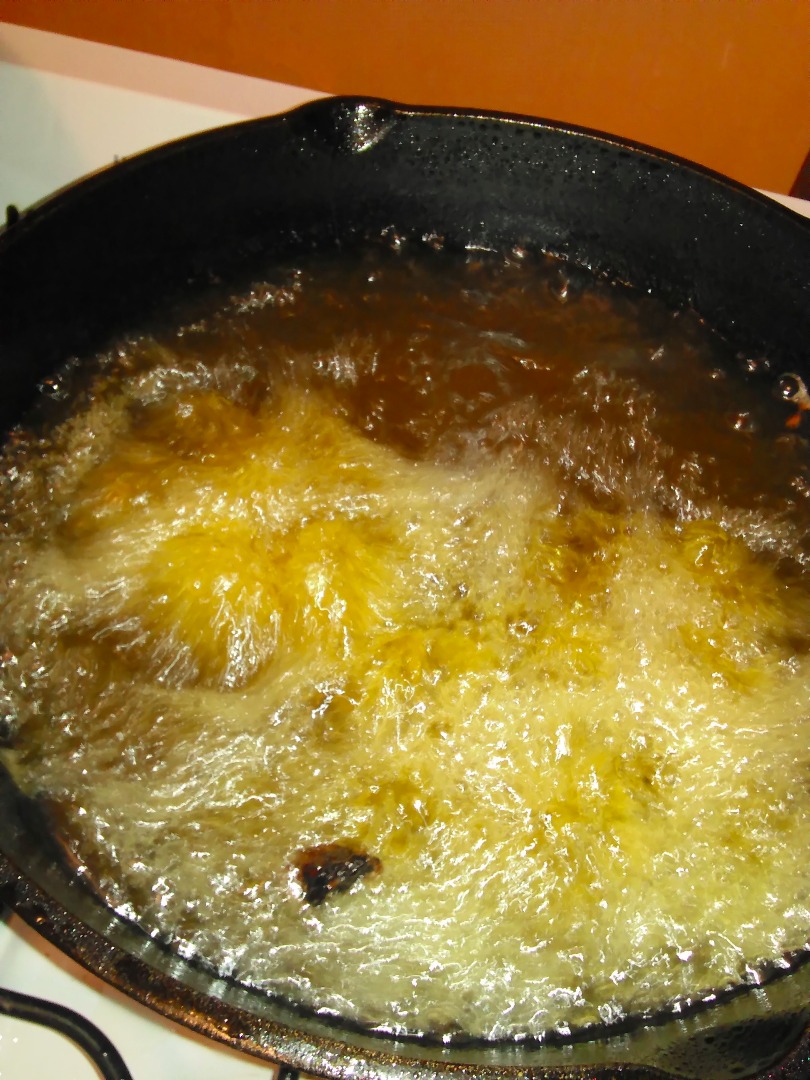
[86, 1035]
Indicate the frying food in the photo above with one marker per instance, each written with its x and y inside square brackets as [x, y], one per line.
[425, 640]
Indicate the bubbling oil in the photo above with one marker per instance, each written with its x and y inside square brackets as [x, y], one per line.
[488, 572]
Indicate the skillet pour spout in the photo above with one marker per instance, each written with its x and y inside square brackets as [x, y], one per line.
[151, 239]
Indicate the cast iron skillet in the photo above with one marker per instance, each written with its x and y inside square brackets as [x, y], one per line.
[160, 232]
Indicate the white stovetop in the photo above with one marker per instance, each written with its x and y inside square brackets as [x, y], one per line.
[70, 107]
[152, 1048]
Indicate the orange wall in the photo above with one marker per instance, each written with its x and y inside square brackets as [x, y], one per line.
[724, 82]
